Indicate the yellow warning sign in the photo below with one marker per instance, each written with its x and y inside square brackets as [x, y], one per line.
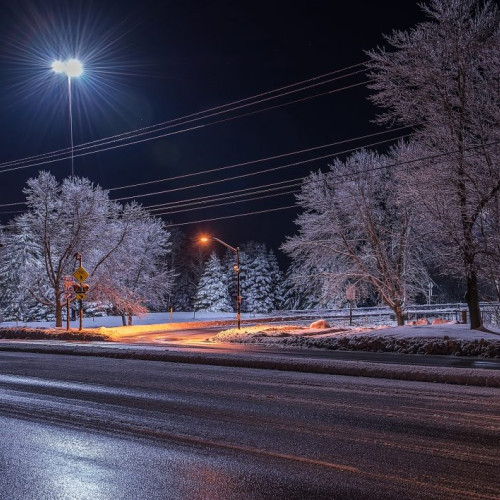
[81, 296]
[81, 274]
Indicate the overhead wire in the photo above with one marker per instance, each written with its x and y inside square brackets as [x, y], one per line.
[251, 162]
[259, 172]
[226, 195]
[274, 195]
[57, 156]
[260, 160]
[149, 127]
[176, 132]
[233, 216]
[435, 156]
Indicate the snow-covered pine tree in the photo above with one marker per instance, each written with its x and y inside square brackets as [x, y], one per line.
[298, 293]
[258, 281]
[212, 294]
[21, 251]
[187, 260]
[277, 280]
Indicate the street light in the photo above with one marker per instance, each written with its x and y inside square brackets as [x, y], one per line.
[236, 251]
[72, 68]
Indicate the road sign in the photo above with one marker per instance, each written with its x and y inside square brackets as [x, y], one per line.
[81, 274]
[81, 296]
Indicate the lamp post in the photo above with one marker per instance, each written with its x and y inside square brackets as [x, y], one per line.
[71, 68]
[236, 251]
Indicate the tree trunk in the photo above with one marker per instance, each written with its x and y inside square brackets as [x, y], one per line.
[59, 311]
[472, 296]
[399, 314]
[124, 320]
[130, 319]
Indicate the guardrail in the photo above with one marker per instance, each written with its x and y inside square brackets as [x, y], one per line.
[490, 312]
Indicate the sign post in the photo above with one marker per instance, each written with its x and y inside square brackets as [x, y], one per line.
[80, 288]
[69, 284]
[351, 297]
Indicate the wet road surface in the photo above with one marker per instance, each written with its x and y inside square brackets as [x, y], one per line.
[196, 340]
[94, 428]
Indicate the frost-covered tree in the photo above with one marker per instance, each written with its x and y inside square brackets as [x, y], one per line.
[355, 230]
[442, 78]
[212, 294]
[72, 217]
[136, 277]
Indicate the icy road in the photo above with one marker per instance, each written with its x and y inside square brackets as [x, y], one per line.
[94, 428]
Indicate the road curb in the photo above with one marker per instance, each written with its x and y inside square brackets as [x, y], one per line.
[460, 376]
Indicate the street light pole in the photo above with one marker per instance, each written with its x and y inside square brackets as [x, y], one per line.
[71, 68]
[71, 127]
[236, 251]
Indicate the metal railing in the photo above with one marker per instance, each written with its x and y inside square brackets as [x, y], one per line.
[490, 312]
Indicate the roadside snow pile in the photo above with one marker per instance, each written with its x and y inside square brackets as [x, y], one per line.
[482, 347]
[273, 333]
[251, 334]
[443, 339]
[321, 323]
[49, 333]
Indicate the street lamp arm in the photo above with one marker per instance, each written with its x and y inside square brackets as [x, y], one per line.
[235, 250]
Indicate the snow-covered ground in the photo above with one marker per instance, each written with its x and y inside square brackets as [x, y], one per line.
[444, 339]
[442, 331]
[447, 338]
[148, 319]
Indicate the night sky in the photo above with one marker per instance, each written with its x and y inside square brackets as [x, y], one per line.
[152, 62]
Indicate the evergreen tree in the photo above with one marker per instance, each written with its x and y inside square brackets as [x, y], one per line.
[277, 280]
[21, 251]
[212, 294]
[258, 281]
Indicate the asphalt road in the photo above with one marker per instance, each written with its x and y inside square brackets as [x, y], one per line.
[194, 340]
[94, 428]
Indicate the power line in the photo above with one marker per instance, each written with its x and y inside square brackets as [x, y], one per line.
[227, 195]
[226, 203]
[87, 144]
[176, 132]
[250, 174]
[251, 162]
[260, 160]
[233, 216]
[58, 155]
[380, 167]
[373, 169]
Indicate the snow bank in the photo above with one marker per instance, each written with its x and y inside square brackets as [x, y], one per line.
[444, 339]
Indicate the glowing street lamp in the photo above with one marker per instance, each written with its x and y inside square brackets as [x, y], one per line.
[72, 68]
[236, 251]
